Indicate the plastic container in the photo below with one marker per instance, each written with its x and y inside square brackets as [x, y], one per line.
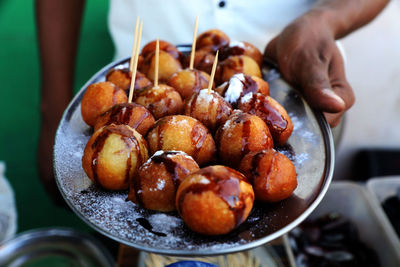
[382, 188]
[354, 202]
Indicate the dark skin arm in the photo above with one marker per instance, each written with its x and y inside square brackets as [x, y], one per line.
[58, 26]
[308, 57]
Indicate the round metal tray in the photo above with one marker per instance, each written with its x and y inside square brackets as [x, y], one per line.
[310, 148]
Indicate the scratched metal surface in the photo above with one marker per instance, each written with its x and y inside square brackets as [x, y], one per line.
[310, 148]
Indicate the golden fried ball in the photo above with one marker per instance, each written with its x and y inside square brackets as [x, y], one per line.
[168, 65]
[242, 48]
[274, 115]
[241, 134]
[132, 114]
[113, 155]
[214, 200]
[212, 40]
[165, 46]
[161, 101]
[241, 84]
[187, 81]
[183, 133]
[98, 98]
[122, 78]
[158, 179]
[237, 64]
[272, 174]
[210, 109]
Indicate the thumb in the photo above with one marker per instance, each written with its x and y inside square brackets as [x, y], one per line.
[317, 89]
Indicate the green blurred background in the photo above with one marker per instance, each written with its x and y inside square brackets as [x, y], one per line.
[20, 96]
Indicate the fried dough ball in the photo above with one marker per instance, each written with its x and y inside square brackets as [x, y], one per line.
[242, 48]
[183, 133]
[113, 155]
[241, 84]
[272, 174]
[214, 200]
[161, 101]
[98, 98]
[275, 116]
[168, 65]
[203, 60]
[237, 64]
[165, 46]
[158, 179]
[122, 79]
[210, 109]
[132, 114]
[241, 134]
[212, 40]
[187, 81]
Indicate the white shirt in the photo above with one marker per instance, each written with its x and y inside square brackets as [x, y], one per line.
[255, 21]
[372, 69]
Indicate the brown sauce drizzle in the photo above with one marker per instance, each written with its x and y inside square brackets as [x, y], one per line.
[121, 114]
[198, 134]
[199, 80]
[216, 41]
[255, 162]
[171, 165]
[249, 85]
[129, 146]
[145, 114]
[235, 50]
[270, 170]
[225, 183]
[261, 106]
[97, 146]
[192, 103]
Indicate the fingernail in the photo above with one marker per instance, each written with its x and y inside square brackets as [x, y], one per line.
[329, 93]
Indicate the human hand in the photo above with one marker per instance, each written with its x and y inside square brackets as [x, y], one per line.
[308, 58]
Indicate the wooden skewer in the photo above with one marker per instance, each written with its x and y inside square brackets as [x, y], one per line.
[134, 45]
[214, 67]
[135, 64]
[194, 44]
[157, 63]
